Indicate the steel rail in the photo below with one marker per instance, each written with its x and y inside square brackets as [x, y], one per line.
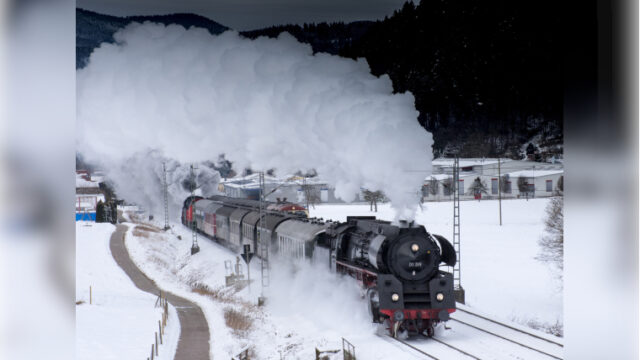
[413, 347]
[455, 348]
[508, 326]
[504, 338]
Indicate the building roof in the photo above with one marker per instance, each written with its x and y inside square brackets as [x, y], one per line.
[88, 191]
[531, 173]
[83, 182]
[448, 162]
[252, 181]
[438, 177]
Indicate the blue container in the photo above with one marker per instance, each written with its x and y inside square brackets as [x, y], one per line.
[85, 216]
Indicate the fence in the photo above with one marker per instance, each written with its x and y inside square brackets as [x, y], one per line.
[348, 350]
[162, 323]
[243, 355]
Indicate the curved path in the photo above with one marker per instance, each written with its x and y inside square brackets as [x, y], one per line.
[194, 331]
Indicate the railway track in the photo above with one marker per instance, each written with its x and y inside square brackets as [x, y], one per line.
[546, 346]
[431, 355]
[475, 336]
[547, 339]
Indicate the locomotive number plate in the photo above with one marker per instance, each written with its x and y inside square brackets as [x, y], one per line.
[415, 264]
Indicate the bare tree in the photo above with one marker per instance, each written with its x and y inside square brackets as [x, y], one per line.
[552, 242]
[373, 197]
[523, 186]
[477, 187]
[311, 194]
[447, 186]
[505, 184]
[434, 186]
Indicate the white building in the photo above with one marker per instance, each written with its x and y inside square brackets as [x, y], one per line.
[538, 182]
[88, 194]
[542, 178]
[291, 188]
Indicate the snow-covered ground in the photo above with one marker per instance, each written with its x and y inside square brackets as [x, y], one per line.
[309, 307]
[499, 271]
[121, 320]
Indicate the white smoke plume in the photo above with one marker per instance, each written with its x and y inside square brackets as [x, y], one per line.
[139, 178]
[265, 103]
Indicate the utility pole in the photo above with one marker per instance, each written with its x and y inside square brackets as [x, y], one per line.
[194, 231]
[305, 190]
[264, 243]
[499, 192]
[533, 178]
[458, 291]
[166, 197]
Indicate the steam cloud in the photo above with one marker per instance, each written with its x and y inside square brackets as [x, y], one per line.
[265, 103]
[140, 178]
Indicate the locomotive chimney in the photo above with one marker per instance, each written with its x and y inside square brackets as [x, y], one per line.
[278, 200]
[403, 224]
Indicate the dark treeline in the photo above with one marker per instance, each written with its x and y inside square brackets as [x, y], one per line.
[486, 75]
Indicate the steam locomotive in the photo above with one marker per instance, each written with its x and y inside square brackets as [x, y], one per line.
[397, 265]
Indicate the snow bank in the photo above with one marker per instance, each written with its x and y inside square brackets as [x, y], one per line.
[122, 319]
[265, 103]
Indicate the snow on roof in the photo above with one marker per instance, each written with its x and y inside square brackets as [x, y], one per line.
[83, 183]
[438, 177]
[246, 179]
[252, 181]
[467, 162]
[534, 173]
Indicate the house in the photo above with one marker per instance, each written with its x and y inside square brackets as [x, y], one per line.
[538, 182]
[540, 176]
[292, 188]
[88, 194]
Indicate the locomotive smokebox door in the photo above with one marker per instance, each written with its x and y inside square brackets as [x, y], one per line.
[441, 292]
[390, 292]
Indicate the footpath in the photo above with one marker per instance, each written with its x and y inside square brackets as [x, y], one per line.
[194, 330]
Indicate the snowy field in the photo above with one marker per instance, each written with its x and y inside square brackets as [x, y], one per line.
[309, 307]
[121, 321]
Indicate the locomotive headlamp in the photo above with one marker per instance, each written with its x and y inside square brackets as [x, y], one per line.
[415, 247]
[395, 297]
[439, 296]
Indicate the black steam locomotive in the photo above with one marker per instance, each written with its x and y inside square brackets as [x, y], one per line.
[398, 266]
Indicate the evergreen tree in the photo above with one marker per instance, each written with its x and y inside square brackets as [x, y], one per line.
[560, 185]
[100, 212]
